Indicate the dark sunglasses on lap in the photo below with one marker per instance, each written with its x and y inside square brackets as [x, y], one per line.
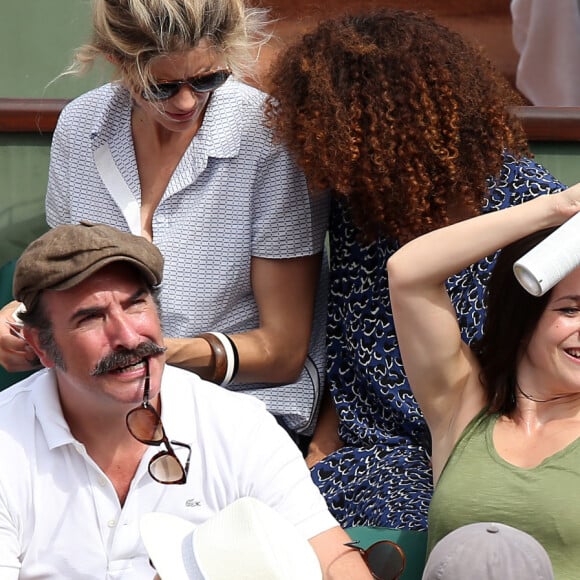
[385, 560]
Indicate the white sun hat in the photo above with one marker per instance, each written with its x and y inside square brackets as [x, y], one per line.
[247, 540]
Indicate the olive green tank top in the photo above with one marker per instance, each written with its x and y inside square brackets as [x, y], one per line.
[544, 501]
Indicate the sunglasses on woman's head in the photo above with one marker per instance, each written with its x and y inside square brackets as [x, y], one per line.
[201, 84]
[385, 560]
[144, 423]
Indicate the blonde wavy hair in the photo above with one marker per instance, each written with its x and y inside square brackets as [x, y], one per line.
[132, 33]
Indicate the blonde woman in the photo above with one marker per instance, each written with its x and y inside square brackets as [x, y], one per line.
[175, 150]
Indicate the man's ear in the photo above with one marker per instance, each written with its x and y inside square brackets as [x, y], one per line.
[31, 336]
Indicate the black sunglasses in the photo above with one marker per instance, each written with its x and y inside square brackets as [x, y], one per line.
[201, 84]
[144, 423]
[385, 560]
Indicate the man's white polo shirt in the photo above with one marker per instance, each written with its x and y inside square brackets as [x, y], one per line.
[60, 516]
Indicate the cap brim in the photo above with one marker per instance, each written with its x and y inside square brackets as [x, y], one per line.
[87, 272]
[164, 536]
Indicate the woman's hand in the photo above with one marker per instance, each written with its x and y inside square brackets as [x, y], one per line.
[15, 353]
[567, 202]
[316, 454]
[325, 439]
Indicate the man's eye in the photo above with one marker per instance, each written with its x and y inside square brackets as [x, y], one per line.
[89, 317]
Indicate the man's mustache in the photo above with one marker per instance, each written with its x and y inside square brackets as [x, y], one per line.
[122, 358]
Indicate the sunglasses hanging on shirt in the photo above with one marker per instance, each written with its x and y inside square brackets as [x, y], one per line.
[144, 423]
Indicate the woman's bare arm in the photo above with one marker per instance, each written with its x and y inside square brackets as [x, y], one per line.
[274, 352]
[442, 370]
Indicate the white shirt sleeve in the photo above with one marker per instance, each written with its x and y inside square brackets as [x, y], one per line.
[275, 472]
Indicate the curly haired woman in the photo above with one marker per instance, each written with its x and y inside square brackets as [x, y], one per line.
[407, 125]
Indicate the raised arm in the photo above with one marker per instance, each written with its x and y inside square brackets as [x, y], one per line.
[442, 370]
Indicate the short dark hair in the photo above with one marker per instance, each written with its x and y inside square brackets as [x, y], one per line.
[512, 316]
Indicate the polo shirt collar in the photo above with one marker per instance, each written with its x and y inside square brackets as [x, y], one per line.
[177, 407]
[57, 432]
[49, 411]
[219, 135]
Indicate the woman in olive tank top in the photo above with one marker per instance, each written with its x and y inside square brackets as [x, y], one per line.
[504, 415]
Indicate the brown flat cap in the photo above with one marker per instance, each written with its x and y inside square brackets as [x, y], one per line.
[66, 255]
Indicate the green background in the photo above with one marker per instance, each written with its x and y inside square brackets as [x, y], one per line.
[37, 43]
[37, 40]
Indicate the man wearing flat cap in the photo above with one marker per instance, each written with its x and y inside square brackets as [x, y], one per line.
[106, 432]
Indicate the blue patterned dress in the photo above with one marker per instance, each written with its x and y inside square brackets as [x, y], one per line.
[382, 476]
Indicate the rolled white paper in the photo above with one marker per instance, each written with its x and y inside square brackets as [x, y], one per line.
[551, 260]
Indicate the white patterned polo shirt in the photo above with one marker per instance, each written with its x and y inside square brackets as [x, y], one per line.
[235, 194]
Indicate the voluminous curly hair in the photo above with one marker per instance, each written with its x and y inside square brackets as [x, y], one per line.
[132, 33]
[398, 115]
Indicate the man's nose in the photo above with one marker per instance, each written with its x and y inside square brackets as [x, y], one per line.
[122, 331]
